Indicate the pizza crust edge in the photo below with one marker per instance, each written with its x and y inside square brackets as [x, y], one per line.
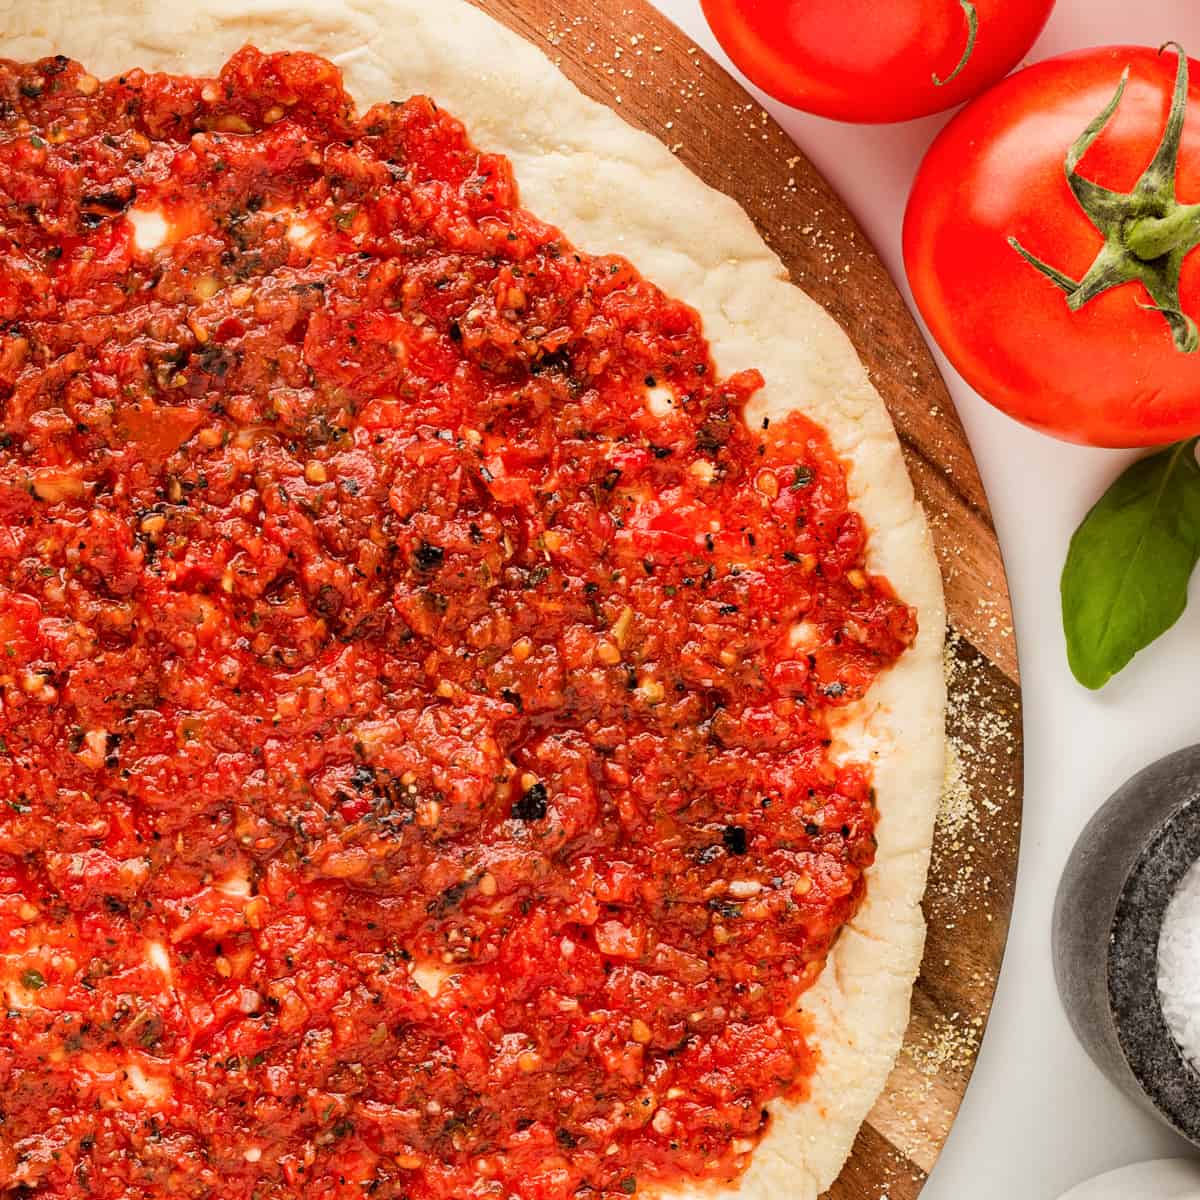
[611, 188]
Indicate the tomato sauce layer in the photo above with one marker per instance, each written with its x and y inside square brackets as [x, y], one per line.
[417, 677]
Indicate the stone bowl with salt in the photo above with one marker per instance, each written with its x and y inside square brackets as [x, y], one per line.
[1127, 940]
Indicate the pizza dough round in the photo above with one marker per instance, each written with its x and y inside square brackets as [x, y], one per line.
[613, 189]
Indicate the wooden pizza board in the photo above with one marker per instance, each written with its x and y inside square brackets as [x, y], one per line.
[628, 56]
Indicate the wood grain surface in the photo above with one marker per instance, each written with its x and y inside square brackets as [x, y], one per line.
[627, 55]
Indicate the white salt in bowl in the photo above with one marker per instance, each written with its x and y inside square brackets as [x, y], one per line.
[1114, 899]
[1179, 965]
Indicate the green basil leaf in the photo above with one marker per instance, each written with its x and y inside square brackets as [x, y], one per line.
[1126, 578]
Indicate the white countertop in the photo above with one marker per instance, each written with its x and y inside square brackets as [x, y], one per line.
[1038, 1117]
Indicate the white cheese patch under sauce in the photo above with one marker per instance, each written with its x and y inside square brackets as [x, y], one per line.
[152, 1089]
[150, 228]
[159, 959]
[17, 996]
[429, 977]
[804, 636]
[302, 233]
[14, 970]
[660, 400]
[236, 884]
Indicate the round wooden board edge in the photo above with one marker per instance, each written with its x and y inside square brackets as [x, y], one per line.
[630, 57]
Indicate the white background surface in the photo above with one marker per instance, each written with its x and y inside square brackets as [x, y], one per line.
[1038, 1117]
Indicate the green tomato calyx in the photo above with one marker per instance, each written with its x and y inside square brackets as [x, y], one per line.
[972, 36]
[1147, 232]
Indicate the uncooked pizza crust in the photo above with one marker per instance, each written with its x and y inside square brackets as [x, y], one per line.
[612, 189]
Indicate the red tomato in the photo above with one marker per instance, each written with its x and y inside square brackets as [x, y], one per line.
[862, 60]
[1112, 371]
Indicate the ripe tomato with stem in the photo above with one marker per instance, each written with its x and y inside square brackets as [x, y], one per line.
[870, 62]
[1048, 241]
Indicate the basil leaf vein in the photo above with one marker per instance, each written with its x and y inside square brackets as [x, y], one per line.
[1126, 577]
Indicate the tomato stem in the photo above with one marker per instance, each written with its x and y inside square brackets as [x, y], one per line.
[1152, 237]
[972, 35]
[1147, 232]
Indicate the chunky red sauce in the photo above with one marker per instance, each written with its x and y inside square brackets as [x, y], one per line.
[361, 623]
